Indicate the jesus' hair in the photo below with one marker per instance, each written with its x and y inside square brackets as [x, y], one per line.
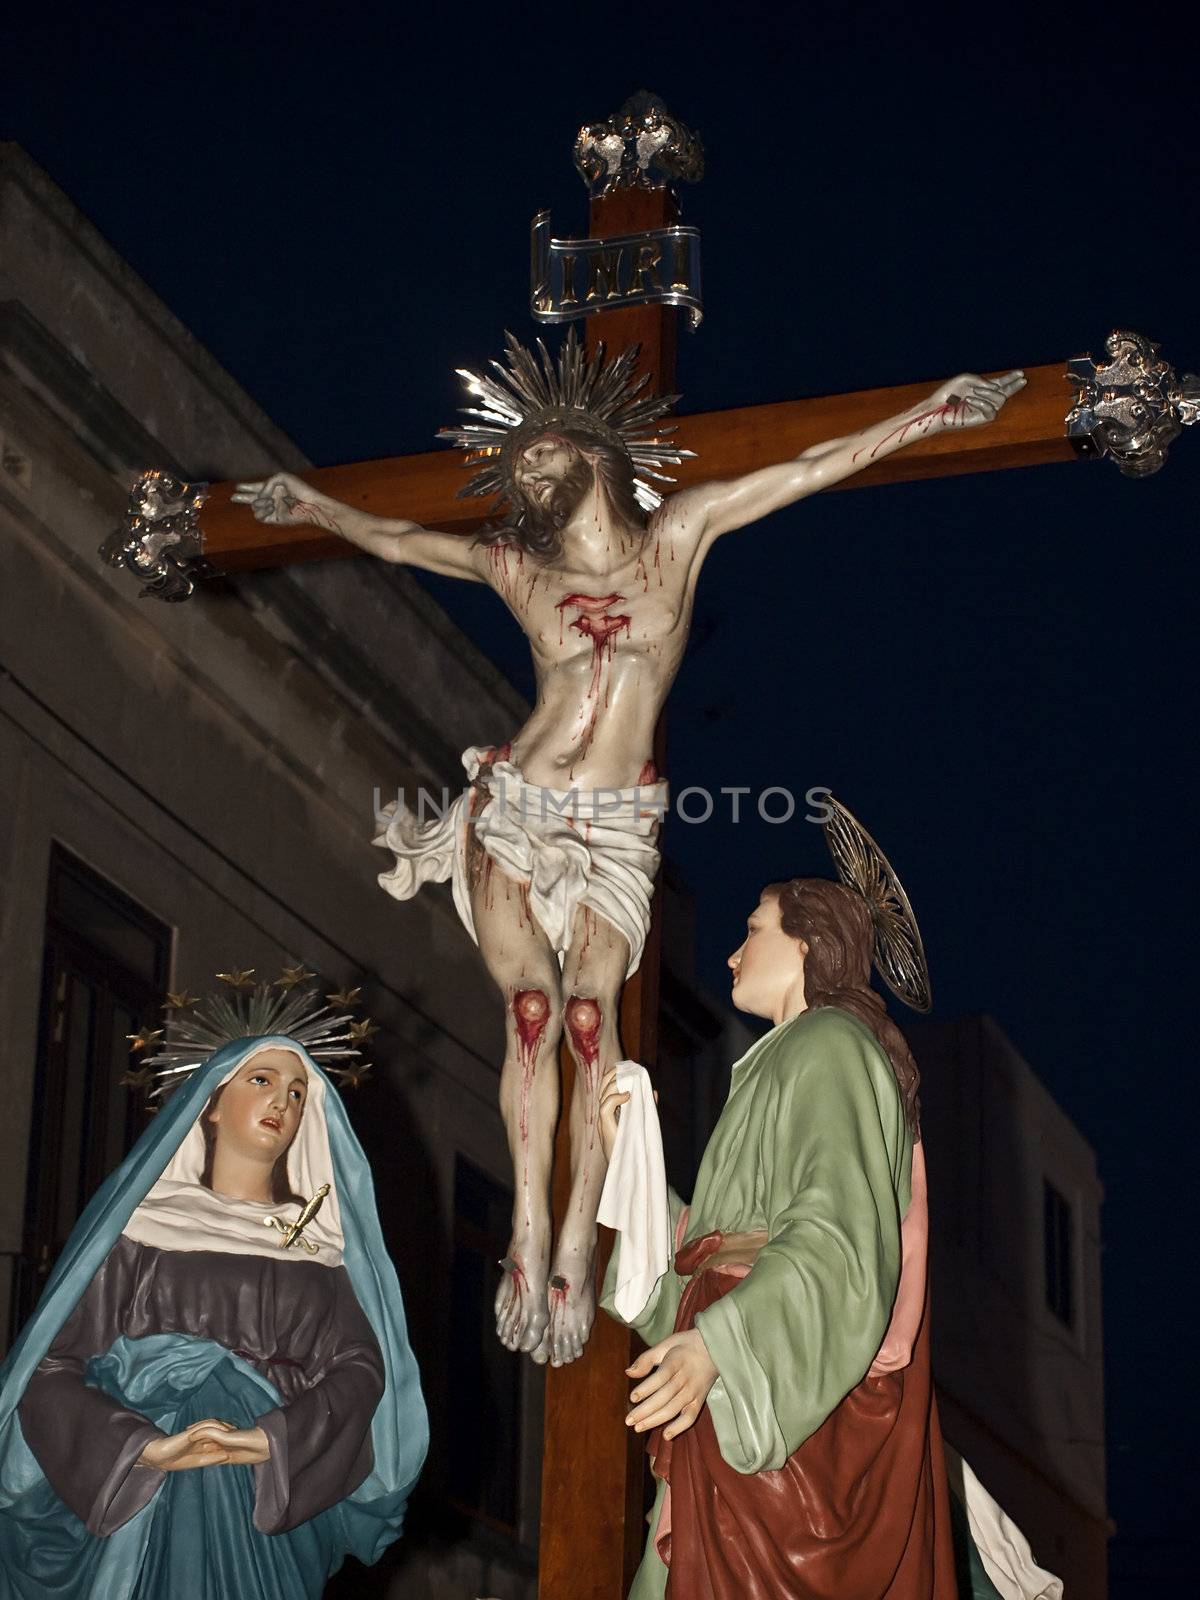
[538, 529]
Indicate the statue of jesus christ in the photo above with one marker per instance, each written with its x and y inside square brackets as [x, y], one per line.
[554, 852]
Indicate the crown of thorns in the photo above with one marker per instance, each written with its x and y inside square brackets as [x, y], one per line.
[534, 394]
[196, 1027]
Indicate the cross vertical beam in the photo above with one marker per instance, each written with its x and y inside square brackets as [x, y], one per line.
[593, 1466]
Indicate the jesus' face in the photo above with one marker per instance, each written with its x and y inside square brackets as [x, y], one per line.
[552, 478]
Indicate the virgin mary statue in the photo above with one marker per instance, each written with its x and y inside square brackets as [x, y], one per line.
[210, 1399]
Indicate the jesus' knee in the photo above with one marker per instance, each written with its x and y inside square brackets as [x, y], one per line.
[587, 1018]
[530, 1015]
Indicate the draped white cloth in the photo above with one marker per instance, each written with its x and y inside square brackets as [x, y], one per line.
[634, 1198]
[570, 847]
[1003, 1548]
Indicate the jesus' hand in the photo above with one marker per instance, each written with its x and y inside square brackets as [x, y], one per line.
[969, 401]
[674, 1378]
[285, 501]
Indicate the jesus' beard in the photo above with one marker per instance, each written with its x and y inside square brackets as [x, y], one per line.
[545, 518]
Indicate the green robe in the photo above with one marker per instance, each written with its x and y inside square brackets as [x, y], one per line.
[813, 1148]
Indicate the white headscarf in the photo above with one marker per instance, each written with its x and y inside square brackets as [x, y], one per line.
[181, 1213]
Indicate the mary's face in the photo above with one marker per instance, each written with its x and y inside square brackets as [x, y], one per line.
[259, 1109]
[766, 964]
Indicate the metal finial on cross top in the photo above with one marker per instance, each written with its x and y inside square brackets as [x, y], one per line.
[641, 146]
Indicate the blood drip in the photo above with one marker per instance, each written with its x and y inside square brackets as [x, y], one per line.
[524, 911]
[513, 1267]
[531, 1012]
[925, 418]
[594, 621]
[502, 579]
[584, 1020]
[498, 559]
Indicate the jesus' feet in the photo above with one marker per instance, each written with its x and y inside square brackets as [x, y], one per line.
[572, 1297]
[521, 1309]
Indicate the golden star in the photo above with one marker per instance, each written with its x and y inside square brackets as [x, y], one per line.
[144, 1038]
[352, 1077]
[141, 1078]
[359, 1031]
[237, 979]
[344, 997]
[180, 1001]
[292, 976]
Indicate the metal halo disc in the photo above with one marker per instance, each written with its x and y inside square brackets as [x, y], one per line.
[863, 867]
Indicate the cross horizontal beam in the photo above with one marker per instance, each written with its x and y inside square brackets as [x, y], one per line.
[1030, 430]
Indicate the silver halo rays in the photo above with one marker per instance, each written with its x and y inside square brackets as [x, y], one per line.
[533, 393]
[863, 867]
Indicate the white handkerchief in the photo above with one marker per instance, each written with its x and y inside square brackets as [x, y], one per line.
[634, 1199]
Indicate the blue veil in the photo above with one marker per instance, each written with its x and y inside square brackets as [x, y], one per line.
[45, 1551]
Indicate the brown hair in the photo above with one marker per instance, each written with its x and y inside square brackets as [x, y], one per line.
[835, 924]
[538, 530]
[281, 1189]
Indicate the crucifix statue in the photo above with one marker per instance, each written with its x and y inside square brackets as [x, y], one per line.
[553, 853]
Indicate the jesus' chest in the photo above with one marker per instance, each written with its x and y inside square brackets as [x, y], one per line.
[636, 609]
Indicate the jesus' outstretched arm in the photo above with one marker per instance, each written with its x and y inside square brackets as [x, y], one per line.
[964, 402]
[287, 501]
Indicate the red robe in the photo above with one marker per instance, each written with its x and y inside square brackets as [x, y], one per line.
[859, 1512]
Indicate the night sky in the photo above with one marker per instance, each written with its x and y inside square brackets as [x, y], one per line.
[996, 673]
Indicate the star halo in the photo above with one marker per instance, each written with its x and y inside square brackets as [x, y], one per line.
[288, 1008]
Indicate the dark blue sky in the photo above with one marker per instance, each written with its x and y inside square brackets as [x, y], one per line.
[996, 672]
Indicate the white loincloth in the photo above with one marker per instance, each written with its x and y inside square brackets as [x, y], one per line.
[579, 847]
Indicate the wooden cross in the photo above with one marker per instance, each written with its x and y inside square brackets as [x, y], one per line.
[592, 1525]
[1030, 430]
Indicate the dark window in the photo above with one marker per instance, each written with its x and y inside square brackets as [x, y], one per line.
[105, 970]
[485, 1387]
[1059, 1255]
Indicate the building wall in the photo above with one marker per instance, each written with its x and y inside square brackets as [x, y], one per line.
[1021, 1393]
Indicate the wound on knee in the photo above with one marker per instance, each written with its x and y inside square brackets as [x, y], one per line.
[584, 1019]
[531, 1012]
